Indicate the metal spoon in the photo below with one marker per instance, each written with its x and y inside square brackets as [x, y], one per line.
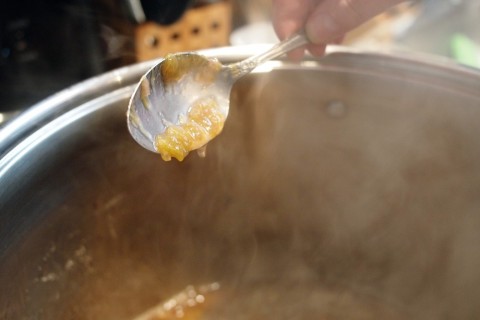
[167, 91]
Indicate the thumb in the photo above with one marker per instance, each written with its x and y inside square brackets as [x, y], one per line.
[333, 18]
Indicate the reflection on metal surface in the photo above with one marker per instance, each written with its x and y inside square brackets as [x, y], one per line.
[6, 116]
[189, 304]
[336, 109]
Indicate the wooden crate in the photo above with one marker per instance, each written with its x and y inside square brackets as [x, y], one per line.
[201, 27]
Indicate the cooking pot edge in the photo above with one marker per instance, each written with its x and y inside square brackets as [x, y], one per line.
[421, 64]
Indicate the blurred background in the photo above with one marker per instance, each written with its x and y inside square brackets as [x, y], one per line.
[48, 45]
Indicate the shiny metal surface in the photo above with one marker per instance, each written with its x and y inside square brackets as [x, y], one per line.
[154, 105]
[7, 116]
[356, 197]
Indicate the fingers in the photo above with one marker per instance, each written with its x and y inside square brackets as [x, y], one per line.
[288, 17]
[331, 19]
[317, 50]
[324, 21]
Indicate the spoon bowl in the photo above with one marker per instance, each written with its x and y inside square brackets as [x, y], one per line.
[181, 103]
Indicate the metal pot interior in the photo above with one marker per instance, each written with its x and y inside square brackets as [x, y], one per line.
[331, 194]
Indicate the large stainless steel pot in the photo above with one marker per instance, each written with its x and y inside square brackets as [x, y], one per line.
[347, 188]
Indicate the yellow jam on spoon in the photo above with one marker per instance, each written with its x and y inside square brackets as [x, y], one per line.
[204, 120]
[182, 102]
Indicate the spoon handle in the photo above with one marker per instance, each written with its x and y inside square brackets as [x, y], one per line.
[239, 69]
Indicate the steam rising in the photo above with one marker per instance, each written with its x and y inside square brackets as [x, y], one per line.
[297, 212]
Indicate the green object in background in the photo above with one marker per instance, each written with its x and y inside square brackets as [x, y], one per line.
[465, 50]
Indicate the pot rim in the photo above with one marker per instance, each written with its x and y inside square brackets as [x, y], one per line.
[412, 66]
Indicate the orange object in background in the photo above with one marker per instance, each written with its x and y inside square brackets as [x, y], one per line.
[200, 27]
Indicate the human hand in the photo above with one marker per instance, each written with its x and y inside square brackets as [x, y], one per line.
[324, 21]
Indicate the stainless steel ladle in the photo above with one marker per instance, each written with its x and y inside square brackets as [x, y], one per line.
[155, 104]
